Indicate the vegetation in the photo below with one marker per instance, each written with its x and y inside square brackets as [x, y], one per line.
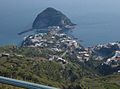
[3, 86]
[31, 64]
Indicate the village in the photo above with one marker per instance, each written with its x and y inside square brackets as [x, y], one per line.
[115, 60]
[58, 42]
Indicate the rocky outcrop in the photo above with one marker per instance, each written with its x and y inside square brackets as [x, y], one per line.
[52, 17]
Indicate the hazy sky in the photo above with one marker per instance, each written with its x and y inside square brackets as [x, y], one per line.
[18, 8]
[86, 5]
[73, 8]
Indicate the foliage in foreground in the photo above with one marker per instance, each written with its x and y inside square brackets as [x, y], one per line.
[33, 66]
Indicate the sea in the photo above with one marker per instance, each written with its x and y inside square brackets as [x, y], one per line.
[98, 21]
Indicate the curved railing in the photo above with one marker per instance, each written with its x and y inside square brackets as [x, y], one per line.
[23, 84]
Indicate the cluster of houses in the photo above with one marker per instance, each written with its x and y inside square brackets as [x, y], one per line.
[108, 45]
[115, 60]
[4, 54]
[58, 42]
[109, 53]
[58, 59]
[84, 55]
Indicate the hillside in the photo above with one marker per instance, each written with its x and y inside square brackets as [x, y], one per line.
[31, 64]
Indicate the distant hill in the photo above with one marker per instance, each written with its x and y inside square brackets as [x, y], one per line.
[48, 18]
[52, 17]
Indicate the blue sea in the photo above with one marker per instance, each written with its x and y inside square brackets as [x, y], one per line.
[98, 21]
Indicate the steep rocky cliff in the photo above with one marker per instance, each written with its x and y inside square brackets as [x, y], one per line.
[52, 17]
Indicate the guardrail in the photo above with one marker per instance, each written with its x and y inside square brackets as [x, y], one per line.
[23, 84]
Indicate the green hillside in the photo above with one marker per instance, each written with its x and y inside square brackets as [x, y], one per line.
[31, 64]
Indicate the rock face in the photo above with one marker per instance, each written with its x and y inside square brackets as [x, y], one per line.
[51, 17]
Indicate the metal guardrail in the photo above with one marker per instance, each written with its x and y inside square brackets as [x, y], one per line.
[23, 84]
